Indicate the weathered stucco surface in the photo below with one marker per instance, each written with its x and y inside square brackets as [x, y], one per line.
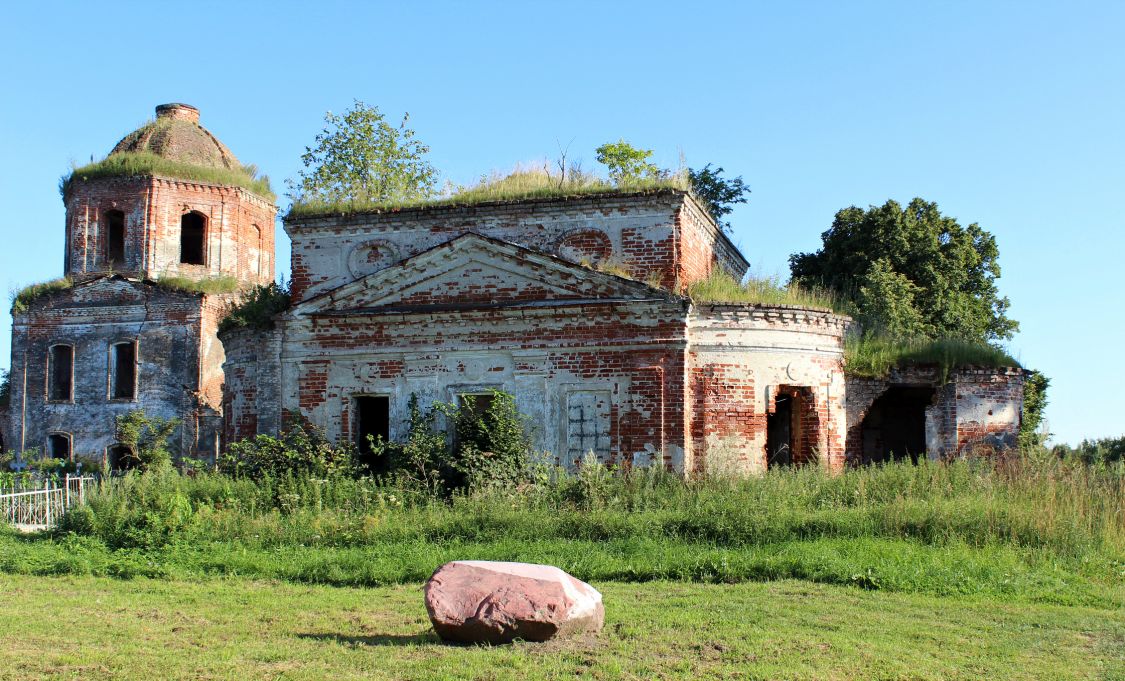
[483, 297]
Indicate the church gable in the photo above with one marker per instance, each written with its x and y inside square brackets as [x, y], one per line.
[98, 292]
[477, 271]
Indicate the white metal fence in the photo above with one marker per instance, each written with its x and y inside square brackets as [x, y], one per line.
[41, 508]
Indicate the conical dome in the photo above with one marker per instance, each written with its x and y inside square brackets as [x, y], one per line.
[176, 135]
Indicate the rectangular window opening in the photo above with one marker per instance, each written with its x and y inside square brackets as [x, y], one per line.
[60, 373]
[123, 376]
[193, 228]
[115, 247]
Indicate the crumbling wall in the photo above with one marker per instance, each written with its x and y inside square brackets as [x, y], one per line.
[972, 407]
[741, 357]
[989, 403]
[252, 389]
[702, 247]
[611, 362]
[91, 317]
[641, 232]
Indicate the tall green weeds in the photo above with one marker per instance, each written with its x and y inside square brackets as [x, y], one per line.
[1034, 528]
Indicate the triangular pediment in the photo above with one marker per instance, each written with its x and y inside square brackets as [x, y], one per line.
[477, 271]
[92, 292]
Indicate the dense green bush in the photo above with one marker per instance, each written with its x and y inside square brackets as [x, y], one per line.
[146, 439]
[459, 446]
[296, 453]
[257, 308]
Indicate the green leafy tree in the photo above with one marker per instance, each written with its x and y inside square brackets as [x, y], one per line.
[887, 304]
[717, 193]
[360, 156]
[147, 439]
[628, 164]
[5, 387]
[953, 269]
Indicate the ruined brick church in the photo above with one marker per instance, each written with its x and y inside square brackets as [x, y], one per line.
[446, 301]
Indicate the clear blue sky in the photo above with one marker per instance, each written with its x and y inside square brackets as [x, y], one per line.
[1011, 115]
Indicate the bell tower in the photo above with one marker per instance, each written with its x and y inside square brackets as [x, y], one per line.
[170, 199]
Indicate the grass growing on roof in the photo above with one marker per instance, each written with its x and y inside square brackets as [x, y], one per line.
[22, 299]
[873, 355]
[128, 164]
[518, 185]
[222, 283]
[721, 287]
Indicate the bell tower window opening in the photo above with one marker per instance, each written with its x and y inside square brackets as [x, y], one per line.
[115, 238]
[60, 373]
[193, 230]
[123, 371]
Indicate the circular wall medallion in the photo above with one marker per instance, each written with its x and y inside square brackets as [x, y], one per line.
[371, 256]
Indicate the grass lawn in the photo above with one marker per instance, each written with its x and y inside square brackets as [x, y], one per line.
[99, 628]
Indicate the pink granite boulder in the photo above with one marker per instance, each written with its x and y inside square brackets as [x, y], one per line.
[479, 601]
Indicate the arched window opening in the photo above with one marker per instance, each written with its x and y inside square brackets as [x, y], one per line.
[123, 371]
[121, 458]
[60, 373]
[58, 446]
[115, 238]
[193, 228]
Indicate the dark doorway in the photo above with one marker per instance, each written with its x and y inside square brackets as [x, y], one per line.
[779, 433]
[895, 426]
[58, 445]
[192, 229]
[121, 459]
[373, 419]
[124, 374]
[115, 238]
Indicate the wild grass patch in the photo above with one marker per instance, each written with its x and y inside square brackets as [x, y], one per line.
[213, 285]
[874, 356]
[1033, 529]
[25, 297]
[721, 287]
[144, 164]
[519, 185]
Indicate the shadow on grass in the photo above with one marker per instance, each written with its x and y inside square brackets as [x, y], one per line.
[424, 638]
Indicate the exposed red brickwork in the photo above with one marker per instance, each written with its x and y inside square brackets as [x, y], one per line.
[589, 244]
[971, 408]
[239, 239]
